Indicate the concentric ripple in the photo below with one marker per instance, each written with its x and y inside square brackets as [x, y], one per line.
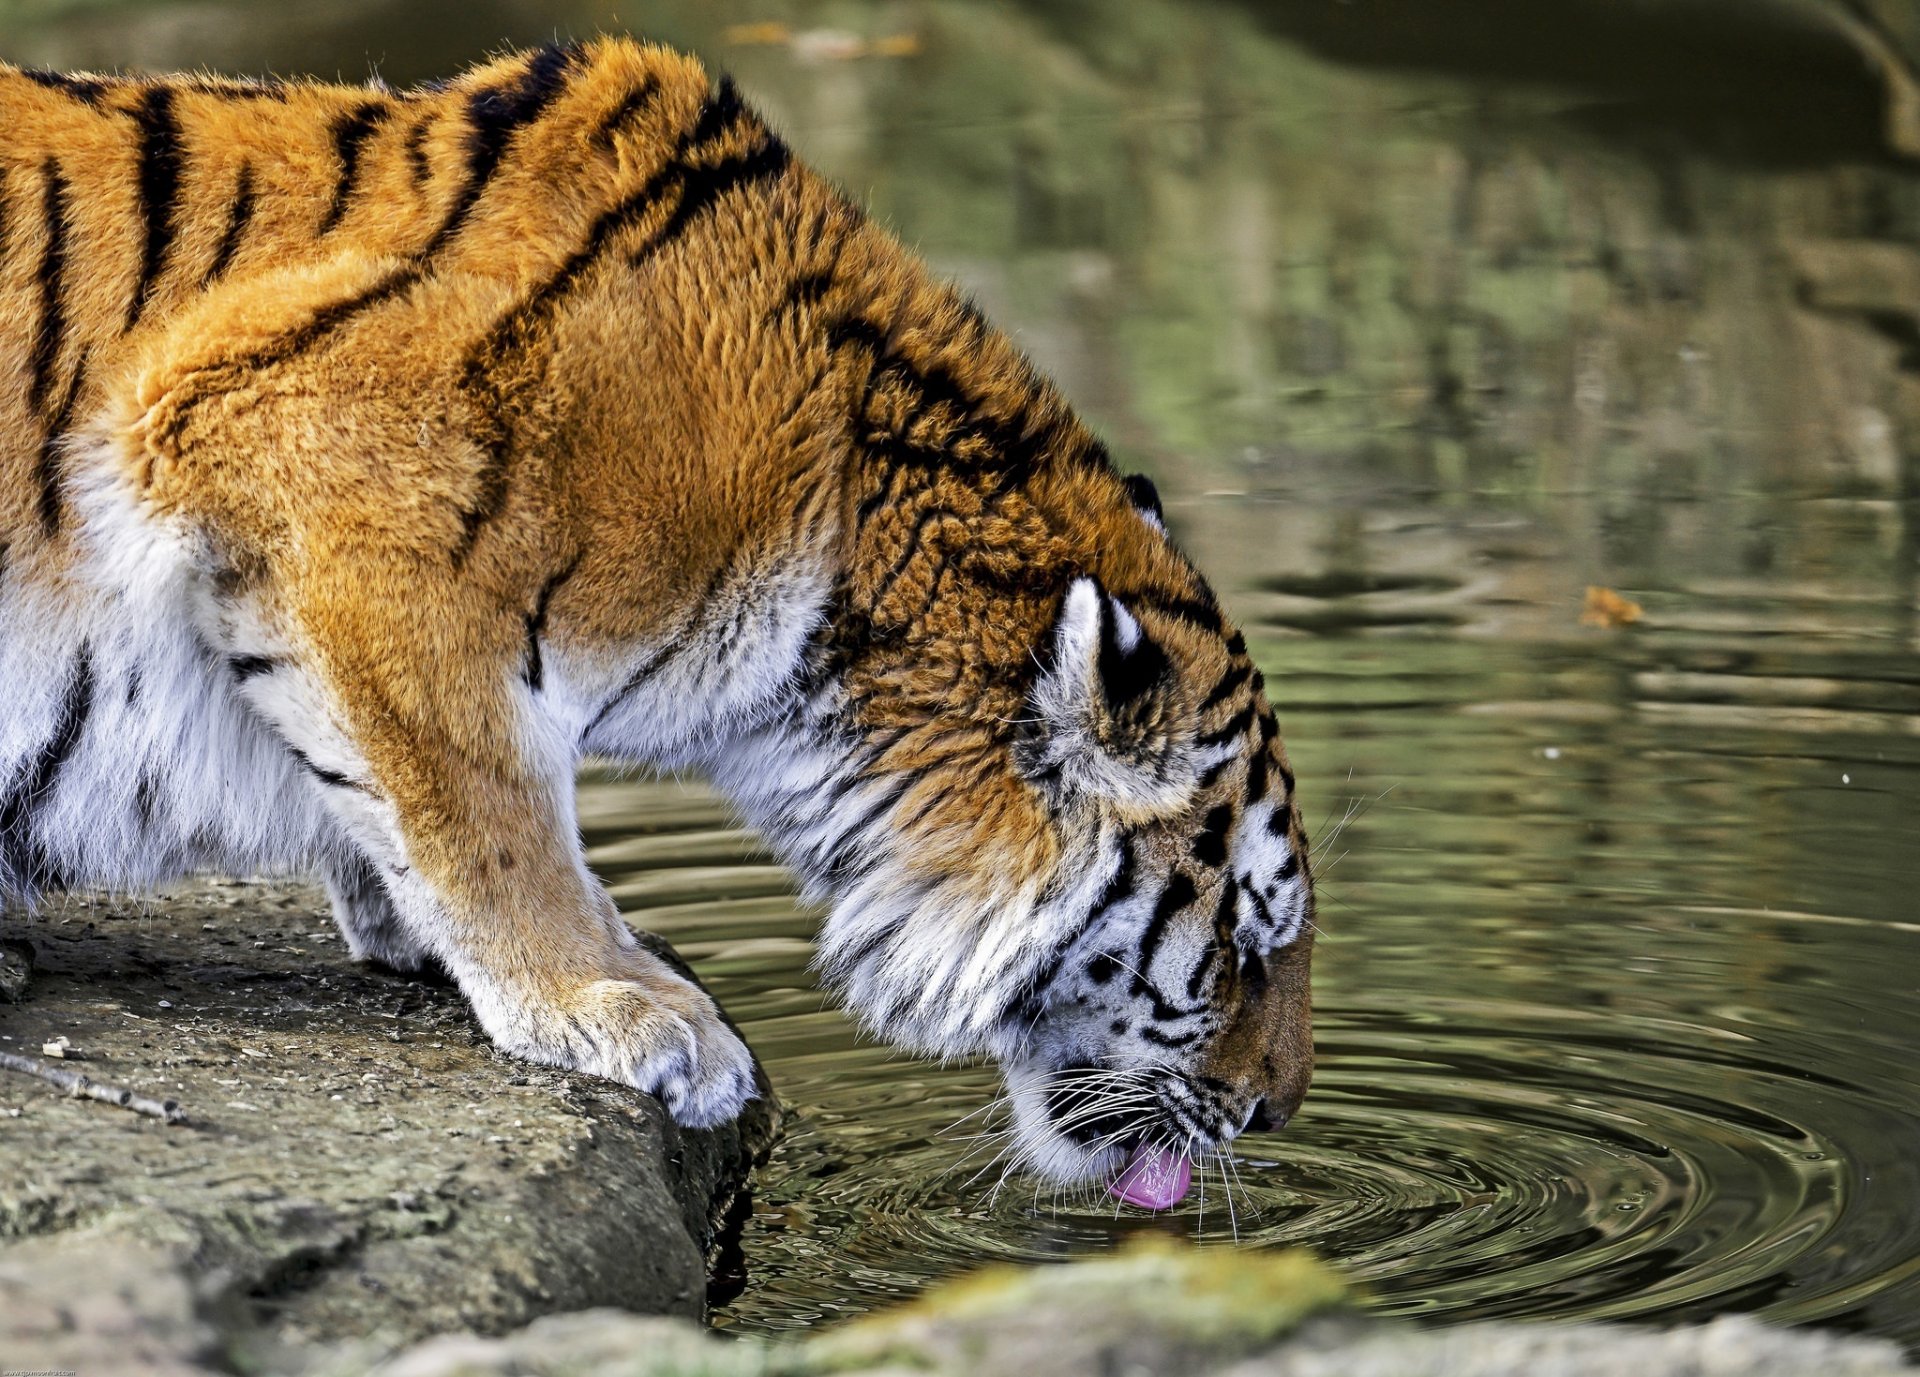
[1458, 1173]
[1615, 1010]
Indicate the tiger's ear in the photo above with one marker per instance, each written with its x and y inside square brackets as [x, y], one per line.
[1101, 720]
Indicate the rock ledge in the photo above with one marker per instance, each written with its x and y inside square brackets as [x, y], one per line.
[357, 1163]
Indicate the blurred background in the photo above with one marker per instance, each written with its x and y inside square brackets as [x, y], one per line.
[1427, 317]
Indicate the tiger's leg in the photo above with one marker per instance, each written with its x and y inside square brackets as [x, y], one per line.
[447, 774]
[366, 916]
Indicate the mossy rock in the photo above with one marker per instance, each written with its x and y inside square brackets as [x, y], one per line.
[1156, 1306]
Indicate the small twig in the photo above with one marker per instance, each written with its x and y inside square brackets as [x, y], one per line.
[85, 1087]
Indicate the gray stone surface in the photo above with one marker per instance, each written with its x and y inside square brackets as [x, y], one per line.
[1147, 1312]
[1732, 1346]
[357, 1162]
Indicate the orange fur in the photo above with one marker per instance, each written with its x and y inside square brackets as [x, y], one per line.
[398, 387]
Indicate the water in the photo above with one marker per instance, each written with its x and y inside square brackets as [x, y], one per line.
[1620, 987]
[1617, 998]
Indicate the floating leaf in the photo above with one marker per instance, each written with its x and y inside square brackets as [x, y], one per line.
[1606, 608]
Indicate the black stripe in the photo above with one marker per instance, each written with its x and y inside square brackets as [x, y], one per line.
[846, 860]
[1120, 887]
[1229, 681]
[494, 116]
[245, 667]
[1261, 912]
[645, 671]
[610, 223]
[1256, 778]
[1210, 846]
[1175, 897]
[85, 89]
[1117, 889]
[718, 114]
[1226, 916]
[19, 851]
[1204, 966]
[809, 289]
[1165, 1010]
[490, 482]
[704, 186]
[535, 672]
[842, 785]
[242, 88]
[238, 217]
[510, 332]
[1154, 1035]
[972, 441]
[1202, 612]
[320, 772]
[940, 572]
[1235, 726]
[937, 386]
[51, 328]
[889, 492]
[869, 944]
[417, 163]
[857, 330]
[47, 470]
[159, 187]
[350, 131]
[631, 105]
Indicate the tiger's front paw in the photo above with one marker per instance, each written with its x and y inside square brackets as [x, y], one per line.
[648, 1028]
[673, 1044]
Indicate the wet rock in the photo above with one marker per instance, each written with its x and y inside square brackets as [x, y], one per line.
[359, 1163]
[1156, 1307]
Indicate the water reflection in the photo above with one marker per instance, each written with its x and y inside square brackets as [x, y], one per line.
[1422, 338]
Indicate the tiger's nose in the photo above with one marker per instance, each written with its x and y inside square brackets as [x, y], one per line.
[1265, 1117]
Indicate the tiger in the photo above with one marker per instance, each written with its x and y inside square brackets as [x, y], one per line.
[370, 459]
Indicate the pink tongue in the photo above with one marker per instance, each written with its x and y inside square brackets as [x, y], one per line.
[1154, 1179]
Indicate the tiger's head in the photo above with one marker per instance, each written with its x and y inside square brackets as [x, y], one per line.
[1058, 829]
[1172, 1013]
